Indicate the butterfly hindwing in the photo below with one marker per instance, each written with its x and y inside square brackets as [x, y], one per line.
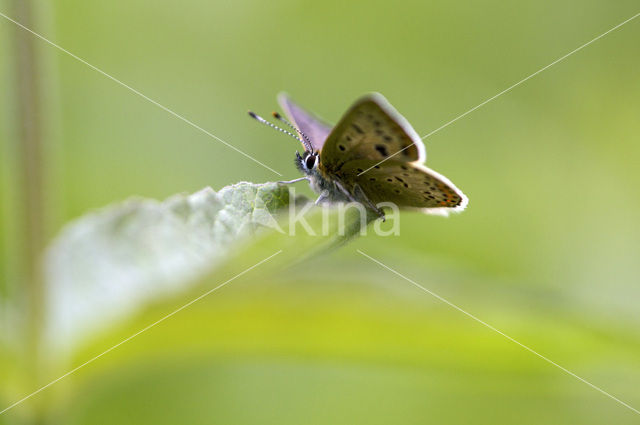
[372, 130]
[312, 126]
[408, 185]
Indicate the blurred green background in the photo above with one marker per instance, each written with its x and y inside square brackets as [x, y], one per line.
[547, 252]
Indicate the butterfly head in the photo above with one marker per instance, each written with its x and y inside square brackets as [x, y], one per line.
[307, 162]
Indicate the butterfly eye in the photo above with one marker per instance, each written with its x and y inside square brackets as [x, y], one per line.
[310, 161]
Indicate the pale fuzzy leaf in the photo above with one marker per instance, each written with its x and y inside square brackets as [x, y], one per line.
[106, 263]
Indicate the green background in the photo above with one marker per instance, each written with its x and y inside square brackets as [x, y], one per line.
[547, 251]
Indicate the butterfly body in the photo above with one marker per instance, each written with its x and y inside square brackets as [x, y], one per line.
[319, 181]
[371, 156]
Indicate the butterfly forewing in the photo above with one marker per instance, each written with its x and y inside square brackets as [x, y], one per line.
[405, 184]
[313, 127]
[376, 156]
[372, 130]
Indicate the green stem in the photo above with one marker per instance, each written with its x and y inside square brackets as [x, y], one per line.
[32, 206]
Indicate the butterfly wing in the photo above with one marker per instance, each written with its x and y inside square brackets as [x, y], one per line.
[408, 185]
[316, 129]
[371, 129]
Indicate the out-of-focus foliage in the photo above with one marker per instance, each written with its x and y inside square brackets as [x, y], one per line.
[546, 252]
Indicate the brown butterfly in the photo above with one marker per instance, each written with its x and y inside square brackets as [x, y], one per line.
[372, 156]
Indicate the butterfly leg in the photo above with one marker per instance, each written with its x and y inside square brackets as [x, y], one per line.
[345, 192]
[322, 197]
[294, 180]
[360, 194]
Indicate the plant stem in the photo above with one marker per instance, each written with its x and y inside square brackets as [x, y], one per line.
[32, 206]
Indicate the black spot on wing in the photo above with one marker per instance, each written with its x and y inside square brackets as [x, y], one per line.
[383, 150]
[357, 128]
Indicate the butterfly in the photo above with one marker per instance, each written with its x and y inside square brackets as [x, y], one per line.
[372, 155]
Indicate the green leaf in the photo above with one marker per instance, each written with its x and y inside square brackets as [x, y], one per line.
[108, 262]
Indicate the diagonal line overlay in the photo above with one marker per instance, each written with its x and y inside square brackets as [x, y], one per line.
[531, 350]
[112, 78]
[508, 89]
[137, 333]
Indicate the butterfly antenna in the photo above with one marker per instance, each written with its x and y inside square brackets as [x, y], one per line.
[265, 122]
[308, 145]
